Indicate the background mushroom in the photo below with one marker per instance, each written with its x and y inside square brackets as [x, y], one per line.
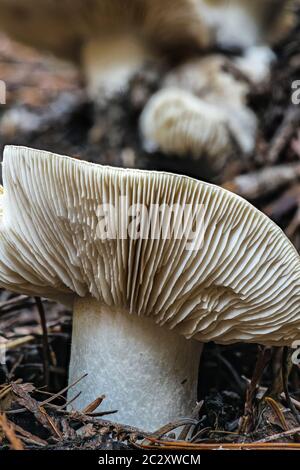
[201, 110]
[140, 303]
[111, 39]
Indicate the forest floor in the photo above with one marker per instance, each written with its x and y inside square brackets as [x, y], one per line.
[242, 403]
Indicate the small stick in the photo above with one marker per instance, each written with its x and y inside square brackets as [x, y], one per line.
[275, 437]
[14, 343]
[222, 446]
[13, 301]
[284, 134]
[16, 443]
[264, 355]
[61, 392]
[46, 402]
[46, 348]
[65, 405]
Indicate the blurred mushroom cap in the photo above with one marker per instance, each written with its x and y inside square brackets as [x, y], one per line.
[63, 27]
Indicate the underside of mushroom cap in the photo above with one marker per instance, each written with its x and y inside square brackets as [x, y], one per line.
[241, 284]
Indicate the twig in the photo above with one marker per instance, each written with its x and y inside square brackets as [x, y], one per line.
[46, 348]
[61, 392]
[172, 444]
[16, 303]
[15, 366]
[65, 405]
[283, 134]
[260, 183]
[15, 343]
[35, 408]
[219, 446]
[7, 388]
[53, 397]
[200, 433]
[275, 437]
[263, 359]
[282, 395]
[276, 409]
[16, 443]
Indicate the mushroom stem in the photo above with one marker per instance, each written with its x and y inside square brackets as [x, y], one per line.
[148, 373]
[109, 62]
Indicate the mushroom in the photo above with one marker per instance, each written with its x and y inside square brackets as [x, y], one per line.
[109, 39]
[143, 302]
[201, 110]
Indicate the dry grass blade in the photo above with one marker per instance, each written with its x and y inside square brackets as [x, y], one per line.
[278, 412]
[94, 405]
[15, 343]
[175, 425]
[51, 422]
[15, 442]
[6, 389]
[61, 392]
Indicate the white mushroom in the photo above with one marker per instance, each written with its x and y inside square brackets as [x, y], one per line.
[140, 302]
[201, 111]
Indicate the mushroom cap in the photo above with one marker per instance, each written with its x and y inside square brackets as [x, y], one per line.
[179, 123]
[201, 111]
[44, 24]
[63, 27]
[241, 284]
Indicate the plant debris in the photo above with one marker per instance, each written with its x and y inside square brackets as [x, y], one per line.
[33, 416]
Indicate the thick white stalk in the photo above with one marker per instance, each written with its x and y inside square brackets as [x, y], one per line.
[148, 373]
